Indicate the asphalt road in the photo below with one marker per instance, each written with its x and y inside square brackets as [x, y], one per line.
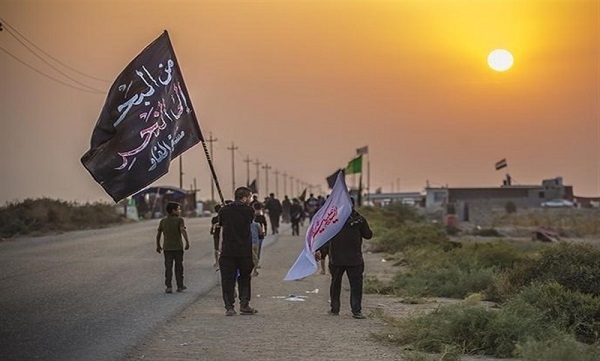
[91, 295]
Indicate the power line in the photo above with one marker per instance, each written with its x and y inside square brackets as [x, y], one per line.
[49, 76]
[49, 64]
[50, 56]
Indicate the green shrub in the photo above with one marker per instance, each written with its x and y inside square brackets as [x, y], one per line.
[455, 273]
[574, 266]
[487, 232]
[571, 311]
[510, 207]
[474, 329]
[392, 240]
[38, 216]
[373, 285]
[565, 348]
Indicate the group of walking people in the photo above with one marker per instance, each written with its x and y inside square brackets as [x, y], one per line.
[239, 229]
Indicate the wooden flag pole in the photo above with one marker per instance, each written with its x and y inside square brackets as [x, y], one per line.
[212, 170]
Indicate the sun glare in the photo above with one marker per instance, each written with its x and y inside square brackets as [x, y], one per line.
[500, 60]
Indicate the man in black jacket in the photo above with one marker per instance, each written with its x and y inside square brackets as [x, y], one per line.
[235, 259]
[345, 255]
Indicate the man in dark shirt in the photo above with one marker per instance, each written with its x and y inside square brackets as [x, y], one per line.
[345, 255]
[236, 251]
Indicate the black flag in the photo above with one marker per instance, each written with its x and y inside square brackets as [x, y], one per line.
[331, 179]
[252, 187]
[147, 120]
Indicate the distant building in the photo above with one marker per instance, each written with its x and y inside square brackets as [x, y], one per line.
[473, 203]
[383, 199]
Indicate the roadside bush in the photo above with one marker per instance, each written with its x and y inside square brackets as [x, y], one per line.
[457, 272]
[474, 329]
[38, 216]
[399, 238]
[574, 266]
[487, 232]
[570, 311]
[510, 207]
[565, 348]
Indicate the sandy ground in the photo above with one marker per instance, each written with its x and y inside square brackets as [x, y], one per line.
[285, 328]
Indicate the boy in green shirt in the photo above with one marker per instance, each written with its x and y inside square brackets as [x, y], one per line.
[173, 228]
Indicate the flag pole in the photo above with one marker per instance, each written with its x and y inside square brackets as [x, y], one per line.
[212, 170]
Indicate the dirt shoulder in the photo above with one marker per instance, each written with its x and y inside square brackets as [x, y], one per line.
[283, 329]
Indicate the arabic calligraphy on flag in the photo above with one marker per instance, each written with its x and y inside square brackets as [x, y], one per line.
[326, 223]
[147, 120]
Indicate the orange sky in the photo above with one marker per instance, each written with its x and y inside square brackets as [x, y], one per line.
[301, 85]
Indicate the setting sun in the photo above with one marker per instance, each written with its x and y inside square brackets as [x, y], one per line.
[500, 60]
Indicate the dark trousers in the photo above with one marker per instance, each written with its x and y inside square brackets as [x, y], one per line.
[229, 267]
[355, 276]
[295, 227]
[274, 222]
[170, 258]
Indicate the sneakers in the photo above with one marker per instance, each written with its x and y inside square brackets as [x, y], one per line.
[254, 273]
[230, 312]
[247, 310]
[359, 316]
[169, 290]
[333, 313]
[181, 289]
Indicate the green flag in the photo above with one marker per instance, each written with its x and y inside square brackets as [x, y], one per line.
[355, 165]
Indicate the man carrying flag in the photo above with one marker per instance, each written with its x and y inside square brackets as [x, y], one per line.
[325, 224]
[345, 255]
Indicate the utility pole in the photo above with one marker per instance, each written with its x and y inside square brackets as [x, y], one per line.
[292, 194]
[266, 167]
[276, 183]
[285, 175]
[233, 148]
[257, 164]
[211, 140]
[247, 161]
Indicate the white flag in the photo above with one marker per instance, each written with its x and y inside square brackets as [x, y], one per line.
[326, 223]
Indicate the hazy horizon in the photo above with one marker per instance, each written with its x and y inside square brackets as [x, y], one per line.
[301, 85]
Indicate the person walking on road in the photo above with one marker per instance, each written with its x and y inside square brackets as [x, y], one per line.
[345, 255]
[286, 206]
[236, 251]
[173, 227]
[296, 212]
[273, 206]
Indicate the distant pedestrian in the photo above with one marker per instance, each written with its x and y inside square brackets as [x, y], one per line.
[273, 206]
[236, 252]
[345, 255]
[296, 213]
[173, 228]
[311, 206]
[286, 205]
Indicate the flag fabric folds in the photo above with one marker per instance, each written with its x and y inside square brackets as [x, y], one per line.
[355, 165]
[147, 120]
[331, 179]
[501, 164]
[362, 150]
[302, 195]
[326, 223]
[252, 187]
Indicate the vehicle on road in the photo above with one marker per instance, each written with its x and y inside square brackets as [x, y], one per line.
[558, 203]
